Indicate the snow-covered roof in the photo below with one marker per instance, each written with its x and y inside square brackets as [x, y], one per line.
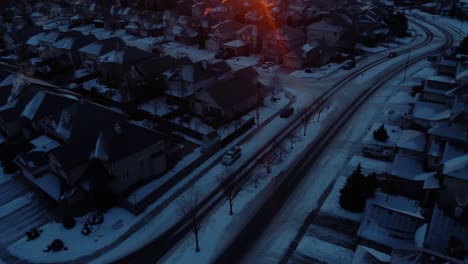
[407, 167]
[44, 143]
[412, 140]
[49, 183]
[235, 43]
[441, 78]
[34, 40]
[430, 111]
[455, 162]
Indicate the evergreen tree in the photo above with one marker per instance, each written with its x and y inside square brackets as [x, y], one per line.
[381, 134]
[353, 195]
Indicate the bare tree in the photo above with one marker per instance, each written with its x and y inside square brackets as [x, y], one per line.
[292, 138]
[189, 208]
[257, 176]
[269, 160]
[232, 186]
[281, 149]
[276, 84]
[320, 106]
[306, 116]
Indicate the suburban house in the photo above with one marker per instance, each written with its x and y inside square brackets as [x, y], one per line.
[223, 32]
[82, 136]
[67, 53]
[192, 77]
[439, 89]
[229, 98]
[46, 42]
[117, 64]
[89, 54]
[20, 95]
[323, 30]
[152, 73]
[279, 42]
[398, 221]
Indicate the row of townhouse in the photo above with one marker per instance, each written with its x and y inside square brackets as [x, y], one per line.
[427, 222]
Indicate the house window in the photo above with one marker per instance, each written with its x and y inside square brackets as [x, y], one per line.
[389, 212]
[125, 176]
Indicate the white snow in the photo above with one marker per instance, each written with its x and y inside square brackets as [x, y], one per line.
[332, 206]
[318, 73]
[324, 251]
[115, 220]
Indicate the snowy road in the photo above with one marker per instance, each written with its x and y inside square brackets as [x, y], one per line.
[275, 241]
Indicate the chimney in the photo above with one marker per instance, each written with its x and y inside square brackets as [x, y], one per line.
[118, 129]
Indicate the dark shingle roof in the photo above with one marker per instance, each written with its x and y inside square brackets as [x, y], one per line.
[124, 139]
[232, 91]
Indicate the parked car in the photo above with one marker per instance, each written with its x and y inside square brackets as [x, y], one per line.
[349, 65]
[267, 64]
[231, 156]
[392, 54]
[286, 112]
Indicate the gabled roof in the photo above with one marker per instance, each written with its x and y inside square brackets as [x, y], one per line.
[128, 56]
[124, 139]
[103, 46]
[74, 43]
[155, 66]
[84, 118]
[231, 92]
[54, 36]
[46, 103]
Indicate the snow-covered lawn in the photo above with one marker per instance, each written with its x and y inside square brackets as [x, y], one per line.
[14, 205]
[116, 220]
[332, 207]
[318, 73]
[323, 251]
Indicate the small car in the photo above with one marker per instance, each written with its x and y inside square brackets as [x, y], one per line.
[231, 156]
[392, 54]
[286, 112]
